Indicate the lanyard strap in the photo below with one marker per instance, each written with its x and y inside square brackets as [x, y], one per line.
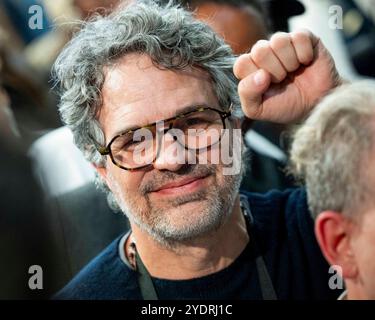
[268, 292]
[266, 287]
[265, 282]
[144, 280]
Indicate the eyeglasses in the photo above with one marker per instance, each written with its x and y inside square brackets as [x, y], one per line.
[194, 130]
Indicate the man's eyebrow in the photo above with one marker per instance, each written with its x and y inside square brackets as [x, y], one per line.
[178, 112]
[126, 129]
[189, 108]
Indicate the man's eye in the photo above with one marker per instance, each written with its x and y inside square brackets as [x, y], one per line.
[124, 144]
[194, 121]
[132, 144]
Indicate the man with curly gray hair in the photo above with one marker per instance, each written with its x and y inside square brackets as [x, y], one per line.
[151, 96]
[333, 153]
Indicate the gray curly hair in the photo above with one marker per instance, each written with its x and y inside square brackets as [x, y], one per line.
[333, 150]
[167, 33]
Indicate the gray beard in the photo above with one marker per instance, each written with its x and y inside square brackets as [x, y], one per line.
[218, 205]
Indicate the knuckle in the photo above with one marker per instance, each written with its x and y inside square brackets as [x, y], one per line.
[242, 88]
[260, 50]
[280, 40]
[306, 56]
[300, 36]
[303, 45]
[240, 66]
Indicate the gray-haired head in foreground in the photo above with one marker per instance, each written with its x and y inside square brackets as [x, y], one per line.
[333, 151]
[168, 34]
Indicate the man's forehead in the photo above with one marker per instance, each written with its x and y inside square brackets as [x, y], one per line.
[135, 77]
[134, 88]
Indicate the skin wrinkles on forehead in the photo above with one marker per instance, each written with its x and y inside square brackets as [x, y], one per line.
[123, 108]
[115, 74]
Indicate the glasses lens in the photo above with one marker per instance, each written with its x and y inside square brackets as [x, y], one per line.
[201, 129]
[134, 149]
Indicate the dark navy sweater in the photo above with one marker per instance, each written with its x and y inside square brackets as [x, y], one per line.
[283, 234]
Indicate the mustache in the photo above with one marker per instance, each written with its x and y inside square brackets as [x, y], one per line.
[159, 179]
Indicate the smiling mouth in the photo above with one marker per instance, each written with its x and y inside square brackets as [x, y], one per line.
[183, 186]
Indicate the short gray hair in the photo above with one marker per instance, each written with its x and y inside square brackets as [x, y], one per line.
[168, 34]
[332, 151]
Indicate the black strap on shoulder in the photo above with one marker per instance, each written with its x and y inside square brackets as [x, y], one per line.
[144, 280]
[266, 286]
[268, 291]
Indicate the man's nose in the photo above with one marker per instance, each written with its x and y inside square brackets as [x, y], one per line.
[171, 154]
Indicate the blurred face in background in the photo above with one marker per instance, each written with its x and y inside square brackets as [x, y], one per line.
[240, 27]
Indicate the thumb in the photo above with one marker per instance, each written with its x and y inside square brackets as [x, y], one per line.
[251, 90]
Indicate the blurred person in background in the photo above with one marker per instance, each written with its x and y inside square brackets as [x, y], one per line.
[25, 233]
[28, 99]
[27, 112]
[333, 153]
[41, 44]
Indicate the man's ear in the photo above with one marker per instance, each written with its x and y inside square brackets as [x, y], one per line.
[332, 230]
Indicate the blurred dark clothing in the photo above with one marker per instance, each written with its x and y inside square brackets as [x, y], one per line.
[82, 225]
[25, 235]
[266, 174]
[61, 234]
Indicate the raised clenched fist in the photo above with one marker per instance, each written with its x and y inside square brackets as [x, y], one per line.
[283, 78]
